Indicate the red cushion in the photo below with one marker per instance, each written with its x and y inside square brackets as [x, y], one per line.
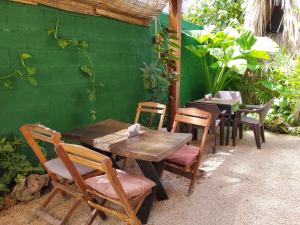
[132, 185]
[185, 156]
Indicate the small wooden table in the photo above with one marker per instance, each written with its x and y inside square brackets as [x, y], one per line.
[230, 106]
[149, 149]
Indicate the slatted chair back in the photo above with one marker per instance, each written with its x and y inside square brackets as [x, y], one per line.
[37, 132]
[186, 160]
[264, 109]
[153, 108]
[230, 95]
[32, 134]
[196, 117]
[70, 154]
[213, 109]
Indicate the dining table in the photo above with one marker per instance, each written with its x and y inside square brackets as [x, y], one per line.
[230, 105]
[149, 149]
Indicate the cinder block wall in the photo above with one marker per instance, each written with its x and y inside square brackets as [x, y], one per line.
[59, 100]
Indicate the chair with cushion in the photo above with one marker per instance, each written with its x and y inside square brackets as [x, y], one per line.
[125, 193]
[186, 160]
[256, 124]
[217, 120]
[58, 173]
[153, 108]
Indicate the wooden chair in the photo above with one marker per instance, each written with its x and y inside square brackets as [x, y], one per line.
[186, 160]
[119, 188]
[58, 173]
[217, 120]
[151, 107]
[256, 124]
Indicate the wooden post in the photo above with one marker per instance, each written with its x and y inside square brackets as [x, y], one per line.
[175, 11]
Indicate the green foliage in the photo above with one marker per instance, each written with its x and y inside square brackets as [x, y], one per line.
[27, 73]
[87, 68]
[158, 75]
[221, 13]
[224, 55]
[282, 80]
[14, 166]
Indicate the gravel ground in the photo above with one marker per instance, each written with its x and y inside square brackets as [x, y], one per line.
[242, 186]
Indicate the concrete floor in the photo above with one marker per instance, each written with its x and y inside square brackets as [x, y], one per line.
[242, 186]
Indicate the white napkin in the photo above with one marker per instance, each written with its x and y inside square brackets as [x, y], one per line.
[133, 130]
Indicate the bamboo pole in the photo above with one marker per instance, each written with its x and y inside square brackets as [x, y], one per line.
[175, 19]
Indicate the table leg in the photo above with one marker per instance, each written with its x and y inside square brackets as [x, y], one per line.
[228, 125]
[152, 171]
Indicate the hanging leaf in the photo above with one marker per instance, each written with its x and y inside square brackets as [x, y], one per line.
[87, 70]
[51, 31]
[62, 43]
[25, 56]
[32, 81]
[92, 96]
[8, 84]
[31, 70]
[83, 44]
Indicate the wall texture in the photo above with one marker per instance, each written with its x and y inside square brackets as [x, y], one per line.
[59, 100]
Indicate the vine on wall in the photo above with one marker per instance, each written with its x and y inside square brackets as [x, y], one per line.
[27, 73]
[86, 68]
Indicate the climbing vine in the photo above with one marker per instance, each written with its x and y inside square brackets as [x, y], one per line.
[27, 73]
[86, 68]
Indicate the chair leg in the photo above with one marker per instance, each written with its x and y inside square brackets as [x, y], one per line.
[214, 140]
[262, 133]
[241, 131]
[193, 179]
[222, 131]
[234, 132]
[256, 131]
[92, 217]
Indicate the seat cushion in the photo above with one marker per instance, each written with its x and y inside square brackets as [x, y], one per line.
[185, 156]
[132, 185]
[57, 166]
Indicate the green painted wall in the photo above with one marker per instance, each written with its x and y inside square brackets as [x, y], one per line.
[60, 100]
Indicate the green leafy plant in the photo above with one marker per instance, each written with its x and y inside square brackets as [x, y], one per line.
[27, 73]
[283, 82]
[87, 68]
[14, 166]
[225, 54]
[161, 72]
[221, 13]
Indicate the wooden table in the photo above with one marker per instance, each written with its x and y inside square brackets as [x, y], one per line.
[149, 149]
[230, 106]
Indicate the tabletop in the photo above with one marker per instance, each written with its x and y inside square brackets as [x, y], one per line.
[220, 101]
[151, 145]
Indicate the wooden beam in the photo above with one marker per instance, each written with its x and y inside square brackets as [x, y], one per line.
[175, 19]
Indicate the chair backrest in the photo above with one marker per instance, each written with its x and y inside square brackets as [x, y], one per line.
[264, 109]
[35, 132]
[196, 117]
[213, 109]
[70, 153]
[230, 95]
[153, 108]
